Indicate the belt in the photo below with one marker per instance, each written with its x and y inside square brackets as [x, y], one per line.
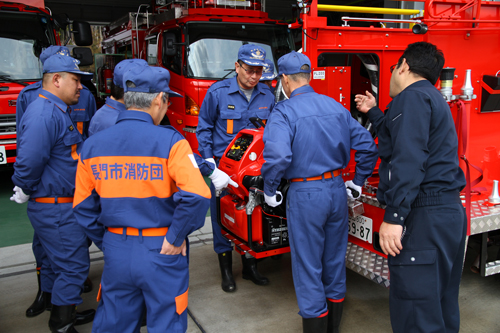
[326, 175]
[135, 232]
[53, 200]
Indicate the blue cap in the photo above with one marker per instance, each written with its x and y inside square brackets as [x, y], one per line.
[60, 63]
[268, 71]
[148, 80]
[252, 55]
[53, 49]
[126, 65]
[290, 63]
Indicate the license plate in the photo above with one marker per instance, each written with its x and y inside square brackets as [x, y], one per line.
[3, 155]
[361, 227]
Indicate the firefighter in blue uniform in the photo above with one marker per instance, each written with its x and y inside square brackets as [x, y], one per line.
[424, 226]
[107, 114]
[139, 194]
[225, 111]
[44, 174]
[268, 74]
[308, 140]
[81, 114]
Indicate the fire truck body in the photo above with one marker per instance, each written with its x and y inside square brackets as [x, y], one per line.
[26, 28]
[347, 60]
[198, 42]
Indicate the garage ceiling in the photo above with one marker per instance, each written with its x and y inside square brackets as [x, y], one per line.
[106, 11]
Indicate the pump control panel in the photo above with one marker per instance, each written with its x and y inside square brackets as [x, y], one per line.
[239, 147]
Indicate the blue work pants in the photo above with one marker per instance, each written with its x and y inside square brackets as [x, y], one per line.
[221, 243]
[47, 275]
[135, 273]
[317, 223]
[65, 245]
[425, 276]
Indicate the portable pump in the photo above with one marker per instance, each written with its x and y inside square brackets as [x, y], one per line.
[243, 214]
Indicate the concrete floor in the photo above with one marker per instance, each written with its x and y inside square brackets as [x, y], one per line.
[251, 308]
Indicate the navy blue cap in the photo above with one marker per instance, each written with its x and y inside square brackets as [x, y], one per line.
[252, 55]
[61, 63]
[268, 71]
[53, 49]
[126, 65]
[291, 62]
[148, 80]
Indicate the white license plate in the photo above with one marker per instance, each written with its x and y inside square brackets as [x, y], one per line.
[3, 155]
[361, 227]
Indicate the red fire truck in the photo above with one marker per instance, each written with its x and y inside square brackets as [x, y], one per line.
[26, 29]
[198, 42]
[355, 56]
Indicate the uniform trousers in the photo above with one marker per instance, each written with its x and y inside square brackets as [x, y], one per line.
[135, 273]
[47, 275]
[317, 222]
[65, 244]
[221, 243]
[425, 276]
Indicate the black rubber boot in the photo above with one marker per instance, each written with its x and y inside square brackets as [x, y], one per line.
[84, 317]
[334, 316]
[250, 271]
[226, 270]
[315, 325]
[62, 319]
[42, 300]
[87, 286]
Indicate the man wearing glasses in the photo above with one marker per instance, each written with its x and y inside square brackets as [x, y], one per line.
[225, 111]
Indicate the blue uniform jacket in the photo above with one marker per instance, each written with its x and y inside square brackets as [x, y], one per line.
[81, 113]
[311, 134]
[106, 116]
[136, 174]
[47, 152]
[225, 111]
[418, 149]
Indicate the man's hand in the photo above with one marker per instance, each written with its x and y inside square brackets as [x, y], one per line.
[272, 201]
[169, 249]
[390, 238]
[365, 103]
[221, 180]
[19, 195]
[349, 186]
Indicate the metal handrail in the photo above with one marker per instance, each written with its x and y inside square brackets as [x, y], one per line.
[368, 10]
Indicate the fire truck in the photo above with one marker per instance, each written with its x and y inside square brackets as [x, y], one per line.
[355, 56]
[26, 29]
[198, 42]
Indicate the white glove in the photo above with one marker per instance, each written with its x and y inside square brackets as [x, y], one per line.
[19, 195]
[357, 188]
[220, 179]
[271, 200]
[211, 160]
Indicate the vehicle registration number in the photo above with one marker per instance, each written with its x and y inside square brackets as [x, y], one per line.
[361, 227]
[3, 155]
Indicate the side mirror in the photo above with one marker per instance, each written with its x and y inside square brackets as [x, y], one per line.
[81, 33]
[169, 48]
[61, 20]
[84, 54]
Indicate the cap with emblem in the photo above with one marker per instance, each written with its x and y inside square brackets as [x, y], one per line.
[252, 55]
[60, 63]
[292, 62]
[53, 49]
[268, 71]
[126, 65]
[148, 80]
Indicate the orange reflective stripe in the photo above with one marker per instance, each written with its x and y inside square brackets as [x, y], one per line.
[84, 183]
[229, 126]
[40, 95]
[99, 293]
[181, 302]
[74, 154]
[79, 126]
[181, 169]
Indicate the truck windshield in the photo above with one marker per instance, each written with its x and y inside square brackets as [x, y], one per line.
[213, 47]
[23, 36]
